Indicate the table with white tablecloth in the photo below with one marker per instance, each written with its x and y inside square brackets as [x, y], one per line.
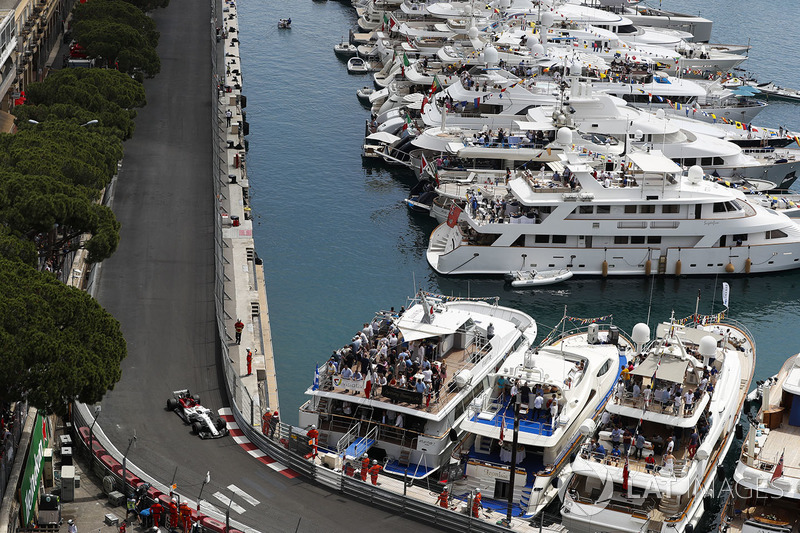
[505, 453]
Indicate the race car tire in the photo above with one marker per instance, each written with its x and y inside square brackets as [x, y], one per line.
[172, 404]
[220, 424]
[196, 398]
[197, 427]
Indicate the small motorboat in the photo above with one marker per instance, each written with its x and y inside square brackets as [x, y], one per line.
[536, 278]
[345, 49]
[364, 93]
[357, 65]
[285, 23]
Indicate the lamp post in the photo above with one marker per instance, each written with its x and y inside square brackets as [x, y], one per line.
[94, 121]
[512, 476]
[206, 480]
[125, 464]
[97, 410]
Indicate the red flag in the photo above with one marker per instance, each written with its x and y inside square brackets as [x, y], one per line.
[625, 475]
[502, 430]
[452, 217]
[424, 103]
[778, 470]
[423, 164]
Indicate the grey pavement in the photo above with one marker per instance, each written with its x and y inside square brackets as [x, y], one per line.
[159, 285]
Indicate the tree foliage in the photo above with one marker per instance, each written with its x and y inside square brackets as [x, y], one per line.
[72, 154]
[118, 32]
[16, 249]
[32, 204]
[56, 343]
[82, 95]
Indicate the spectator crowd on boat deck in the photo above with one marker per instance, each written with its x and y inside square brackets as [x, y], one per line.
[541, 401]
[664, 397]
[377, 355]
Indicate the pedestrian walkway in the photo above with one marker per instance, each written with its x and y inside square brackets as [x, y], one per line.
[244, 296]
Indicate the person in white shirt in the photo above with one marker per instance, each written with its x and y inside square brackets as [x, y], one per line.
[553, 412]
[347, 373]
[399, 421]
[646, 393]
[676, 408]
[670, 446]
[605, 419]
[538, 402]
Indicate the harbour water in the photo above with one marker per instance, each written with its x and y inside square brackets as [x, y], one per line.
[338, 244]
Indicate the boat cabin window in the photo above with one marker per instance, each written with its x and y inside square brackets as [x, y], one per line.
[722, 207]
[562, 239]
[739, 237]
[654, 239]
[689, 161]
[671, 208]
[620, 239]
[605, 368]
[775, 234]
[585, 209]
[630, 208]
[637, 239]
[603, 209]
[541, 239]
[647, 209]
[719, 207]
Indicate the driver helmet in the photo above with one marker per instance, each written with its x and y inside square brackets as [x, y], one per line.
[374, 461]
[70, 521]
[313, 426]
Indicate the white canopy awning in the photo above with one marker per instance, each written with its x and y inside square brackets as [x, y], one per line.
[669, 369]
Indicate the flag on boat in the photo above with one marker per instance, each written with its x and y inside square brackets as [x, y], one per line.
[316, 379]
[406, 62]
[625, 475]
[453, 215]
[778, 470]
[423, 164]
[436, 85]
[726, 294]
[407, 123]
[502, 430]
[797, 140]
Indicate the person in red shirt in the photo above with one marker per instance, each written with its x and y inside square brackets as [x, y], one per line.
[364, 468]
[173, 514]
[476, 503]
[239, 327]
[313, 436]
[265, 422]
[157, 509]
[443, 498]
[374, 470]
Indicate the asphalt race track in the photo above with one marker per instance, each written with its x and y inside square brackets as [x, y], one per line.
[159, 284]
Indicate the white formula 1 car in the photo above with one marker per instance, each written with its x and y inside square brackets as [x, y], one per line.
[201, 418]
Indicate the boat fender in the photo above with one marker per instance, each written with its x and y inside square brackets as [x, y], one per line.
[729, 268]
[689, 528]
[605, 268]
[720, 472]
[747, 264]
[648, 267]
[739, 428]
[452, 435]
[678, 267]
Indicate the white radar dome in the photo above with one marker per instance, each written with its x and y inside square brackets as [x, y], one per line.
[564, 136]
[473, 32]
[537, 50]
[490, 55]
[695, 174]
[708, 346]
[547, 19]
[641, 333]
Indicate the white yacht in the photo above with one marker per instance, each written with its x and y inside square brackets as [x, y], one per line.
[454, 345]
[766, 493]
[576, 368]
[660, 487]
[641, 218]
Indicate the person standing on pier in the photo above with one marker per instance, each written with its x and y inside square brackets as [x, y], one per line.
[374, 470]
[239, 327]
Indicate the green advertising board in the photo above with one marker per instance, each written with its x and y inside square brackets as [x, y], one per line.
[29, 485]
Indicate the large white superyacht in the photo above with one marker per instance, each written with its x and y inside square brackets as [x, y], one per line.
[674, 420]
[399, 396]
[645, 217]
